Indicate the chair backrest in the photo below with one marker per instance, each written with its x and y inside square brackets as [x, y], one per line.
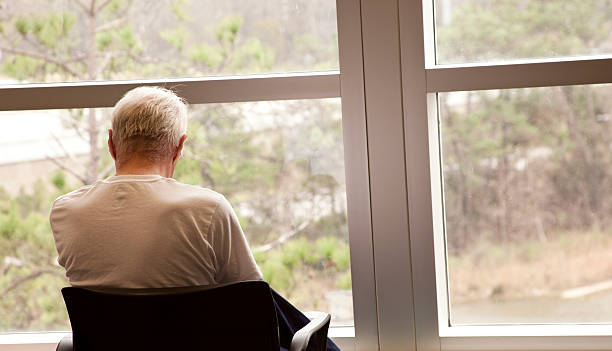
[230, 317]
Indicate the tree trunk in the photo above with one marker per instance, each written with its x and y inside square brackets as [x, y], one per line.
[93, 129]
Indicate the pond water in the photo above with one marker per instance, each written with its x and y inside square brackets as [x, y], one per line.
[593, 308]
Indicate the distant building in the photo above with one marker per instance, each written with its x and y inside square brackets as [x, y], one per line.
[28, 139]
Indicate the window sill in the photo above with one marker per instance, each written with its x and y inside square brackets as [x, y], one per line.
[32, 338]
[526, 337]
[568, 330]
[343, 336]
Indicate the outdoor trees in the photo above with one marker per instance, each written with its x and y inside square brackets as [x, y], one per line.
[526, 172]
[280, 164]
[516, 159]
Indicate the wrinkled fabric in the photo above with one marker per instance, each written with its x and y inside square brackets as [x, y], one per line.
[290, 320]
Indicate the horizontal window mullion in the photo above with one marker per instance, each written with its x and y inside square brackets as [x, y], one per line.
[315, 85]
[534, 73]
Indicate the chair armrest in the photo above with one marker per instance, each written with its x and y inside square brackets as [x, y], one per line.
[302, 337]
[65, 344]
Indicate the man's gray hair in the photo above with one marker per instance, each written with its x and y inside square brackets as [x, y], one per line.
[149, 121]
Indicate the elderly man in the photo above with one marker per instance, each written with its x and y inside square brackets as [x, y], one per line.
[140, 228]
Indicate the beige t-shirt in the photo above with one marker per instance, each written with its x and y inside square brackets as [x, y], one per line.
[145, 231]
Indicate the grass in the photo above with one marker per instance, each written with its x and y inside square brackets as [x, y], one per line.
[529, 267]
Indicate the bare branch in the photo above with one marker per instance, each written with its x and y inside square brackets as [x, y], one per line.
[28, 277]
[34, 43]
[67, 169]
[102, 5]
[76, 58]
[47, 58]
[282, 239]
[81, 5]
[10, 263]
[104, 63]
[61, 145]
[111, 24]
[77, 128]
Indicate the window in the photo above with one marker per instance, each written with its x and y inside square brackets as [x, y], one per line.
[279, 163]
[507, 87]
[525, 175]
[271, 142]
[438, 96]
[63, 40]
[494, 30]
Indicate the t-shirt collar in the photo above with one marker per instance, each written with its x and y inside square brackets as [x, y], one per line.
[133, 178]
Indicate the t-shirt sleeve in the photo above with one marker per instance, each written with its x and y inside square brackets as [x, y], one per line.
[234, 260]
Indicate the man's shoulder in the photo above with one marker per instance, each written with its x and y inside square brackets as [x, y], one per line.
[198, 195]
[64, 204]
[73, 195]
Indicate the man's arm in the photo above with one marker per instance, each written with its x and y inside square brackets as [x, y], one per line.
[234, 259]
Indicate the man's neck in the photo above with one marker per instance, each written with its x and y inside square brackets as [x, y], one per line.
[138, 166]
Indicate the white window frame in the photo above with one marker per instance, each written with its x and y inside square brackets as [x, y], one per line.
[423, 164]
[388, 85]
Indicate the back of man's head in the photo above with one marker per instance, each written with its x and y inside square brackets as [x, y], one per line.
[148, 122]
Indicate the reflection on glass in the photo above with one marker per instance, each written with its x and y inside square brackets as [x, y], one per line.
[280, 164]
[527, 192]
[493, 30]
[63, 40]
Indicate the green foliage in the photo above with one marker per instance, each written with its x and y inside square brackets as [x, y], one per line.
[31, 280]
[176, 37]
[9, 222]
[296, 252]
[276, 272]
[22, 67]
[227, 30]
[48, 29]
[128, 39]
[178, 9]
[545, 146]
[205, 54]
[253, 54]
[326, 247]
[341, 257]
[256, 167]
[509, 29]
[188, 171]
[59, 181]
[326, 256]
[23, 26]
[115, 6]
[345, 282]
[104, 40]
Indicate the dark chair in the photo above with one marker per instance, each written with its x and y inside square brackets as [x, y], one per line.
[238, 316]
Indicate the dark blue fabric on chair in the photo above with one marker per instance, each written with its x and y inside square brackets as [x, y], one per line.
[239, 316]
[290, 320]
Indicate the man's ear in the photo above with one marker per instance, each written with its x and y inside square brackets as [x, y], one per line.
[179, 149]
[111, 146]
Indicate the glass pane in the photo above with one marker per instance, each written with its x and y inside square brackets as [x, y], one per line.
[493, 30]
[528, 192]
[64, 40]
[280, 164]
